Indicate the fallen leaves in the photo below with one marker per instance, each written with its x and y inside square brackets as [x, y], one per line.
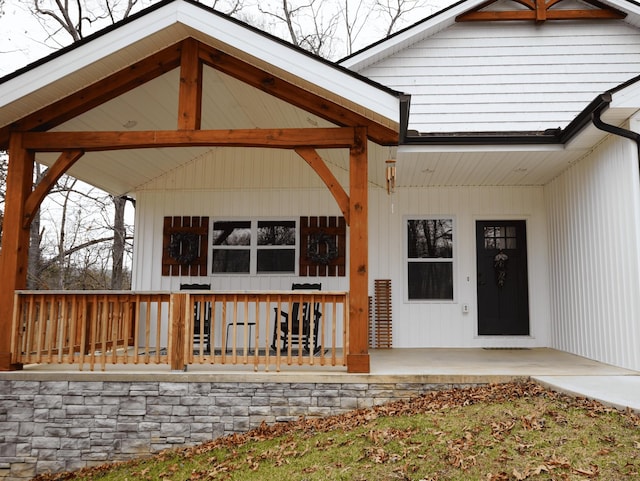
[506, 432]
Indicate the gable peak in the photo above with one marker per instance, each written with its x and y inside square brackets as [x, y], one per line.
[541, 11]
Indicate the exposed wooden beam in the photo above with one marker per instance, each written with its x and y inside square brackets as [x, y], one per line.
[190, 97]
[550, 15]
[51, 176]
[320, 167]
[102, 91]
[358, 355]
[295, 95]
[15, 241]
[270, 138]
[540, 11]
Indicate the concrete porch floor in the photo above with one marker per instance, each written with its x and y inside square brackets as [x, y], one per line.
[557, 370]
[486, 362]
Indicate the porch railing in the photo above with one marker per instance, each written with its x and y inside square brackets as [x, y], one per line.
[91, 329]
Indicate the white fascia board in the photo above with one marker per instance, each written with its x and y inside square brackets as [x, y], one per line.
[299, 64]
[79, 57]
[408, 37]
[626, 6]
[424, 148]
[627, 98]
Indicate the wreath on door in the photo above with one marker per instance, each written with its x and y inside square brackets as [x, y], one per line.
[500, 262]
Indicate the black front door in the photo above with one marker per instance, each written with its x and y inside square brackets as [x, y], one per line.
[503, 290]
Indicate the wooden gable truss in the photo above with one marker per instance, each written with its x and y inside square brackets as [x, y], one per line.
[540, 11]
[28, 135]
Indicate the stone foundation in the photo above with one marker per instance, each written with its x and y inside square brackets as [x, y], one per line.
[54, 425]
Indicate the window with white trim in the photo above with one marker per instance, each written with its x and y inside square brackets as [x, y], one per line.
[429, 250]
[254, 247]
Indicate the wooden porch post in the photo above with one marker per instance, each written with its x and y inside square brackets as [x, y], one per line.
[358, 355]
[14, 253]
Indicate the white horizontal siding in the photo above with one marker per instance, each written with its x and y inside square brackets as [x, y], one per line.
[593, 211]
[443, 324]
[506, 76]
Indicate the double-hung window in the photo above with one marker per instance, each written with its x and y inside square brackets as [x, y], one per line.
[429, 244]
[254, 246]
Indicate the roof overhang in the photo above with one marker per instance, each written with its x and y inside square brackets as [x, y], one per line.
[156, 28]
[515, 158]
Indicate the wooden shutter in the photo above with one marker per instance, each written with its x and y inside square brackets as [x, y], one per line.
[184, 246]
[322, 246]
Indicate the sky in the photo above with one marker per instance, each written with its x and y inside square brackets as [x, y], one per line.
[23, 38]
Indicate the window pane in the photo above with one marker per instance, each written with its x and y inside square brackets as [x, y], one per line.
[231, 260]
[276, 260]
[232, 233]
[500, 238]
[430, 238]
[430, 280]
[276, 233]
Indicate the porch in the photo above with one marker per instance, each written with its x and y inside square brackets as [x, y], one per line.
[302, 332]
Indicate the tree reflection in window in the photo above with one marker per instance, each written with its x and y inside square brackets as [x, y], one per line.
[430, 238]
[430, 259]
[272, 256]
[250, 246]
[236, 236]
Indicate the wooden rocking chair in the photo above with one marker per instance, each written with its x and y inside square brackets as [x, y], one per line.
[300, 334]
[201, 313]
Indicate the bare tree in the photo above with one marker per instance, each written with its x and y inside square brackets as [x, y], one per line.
[119, 242]
[394, 11]
[311, 25]
[336, 27]
[355, 21]
[73, 17]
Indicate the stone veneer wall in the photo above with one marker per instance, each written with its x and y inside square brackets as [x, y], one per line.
[54, 425]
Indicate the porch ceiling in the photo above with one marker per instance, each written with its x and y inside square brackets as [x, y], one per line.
[227, 103]
[233, 104]
[496, 165]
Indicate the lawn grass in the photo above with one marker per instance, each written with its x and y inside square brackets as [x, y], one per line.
[513, 431]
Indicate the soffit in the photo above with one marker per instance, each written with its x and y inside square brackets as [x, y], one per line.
[226, 104]
[498, 164]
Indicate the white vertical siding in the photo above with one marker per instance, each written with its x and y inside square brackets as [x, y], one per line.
[228, 183]
[593, 212]
[442, 324]
[509, 76]
[227, 188]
